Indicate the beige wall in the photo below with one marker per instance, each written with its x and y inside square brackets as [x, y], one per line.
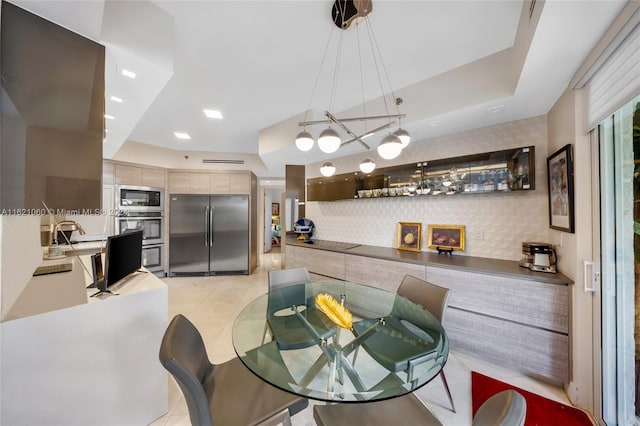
[565, 123]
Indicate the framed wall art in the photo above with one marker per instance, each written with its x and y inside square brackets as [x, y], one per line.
[409, 236]
[446, 237]
[560, 174]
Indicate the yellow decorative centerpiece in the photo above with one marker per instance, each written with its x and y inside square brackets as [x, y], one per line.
[337, 313]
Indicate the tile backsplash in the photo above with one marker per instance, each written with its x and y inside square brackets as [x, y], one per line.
[495, 224]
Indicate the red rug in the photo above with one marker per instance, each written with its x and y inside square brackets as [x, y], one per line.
[540, 411]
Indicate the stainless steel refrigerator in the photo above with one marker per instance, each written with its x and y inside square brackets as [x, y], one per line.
[208, 234]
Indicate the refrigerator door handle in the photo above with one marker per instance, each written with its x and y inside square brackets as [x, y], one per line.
[206, 226]
[211, 226]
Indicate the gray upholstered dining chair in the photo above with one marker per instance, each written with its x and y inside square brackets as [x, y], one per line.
[402, 355]
[434, 299]
[507, 408]
[221, 394]
[285, 329]
[403, 410]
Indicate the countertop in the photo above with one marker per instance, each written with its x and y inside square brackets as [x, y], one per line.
[508, 268]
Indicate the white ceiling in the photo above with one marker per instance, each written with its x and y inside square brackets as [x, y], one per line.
[256, 61]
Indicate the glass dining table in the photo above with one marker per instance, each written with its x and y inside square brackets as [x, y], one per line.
[390, 347]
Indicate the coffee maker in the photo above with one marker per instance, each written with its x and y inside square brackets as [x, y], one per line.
[539, 257]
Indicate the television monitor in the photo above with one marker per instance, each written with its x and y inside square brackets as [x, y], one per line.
[122, 257]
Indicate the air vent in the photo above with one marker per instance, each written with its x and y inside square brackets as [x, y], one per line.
[211, 161]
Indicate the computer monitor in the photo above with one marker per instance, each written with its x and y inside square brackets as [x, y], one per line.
[122, 257]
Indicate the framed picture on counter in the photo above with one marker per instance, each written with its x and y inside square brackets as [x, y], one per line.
[446, 237]
[560, 174]
[409, 236]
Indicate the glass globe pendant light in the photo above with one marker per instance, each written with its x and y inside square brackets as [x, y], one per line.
[404, 137]
[327, 169]
[367, 165]
[390, 147]
[304, 141]
[329, 141]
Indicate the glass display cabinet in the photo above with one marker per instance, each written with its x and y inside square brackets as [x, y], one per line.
[498, 171]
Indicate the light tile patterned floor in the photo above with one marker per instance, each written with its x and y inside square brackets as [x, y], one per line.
[212, 303]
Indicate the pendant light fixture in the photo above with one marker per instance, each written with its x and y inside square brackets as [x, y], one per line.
[367, 165]
[304, 141]
[404, 137]
[327, 169]
[329, 141]
[344, 13]
[390, 147]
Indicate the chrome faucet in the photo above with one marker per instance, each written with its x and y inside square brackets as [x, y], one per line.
[75, 226]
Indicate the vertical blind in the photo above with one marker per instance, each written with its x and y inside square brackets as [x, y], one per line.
[616, 82]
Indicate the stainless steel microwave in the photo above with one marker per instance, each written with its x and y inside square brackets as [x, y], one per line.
[139, 198]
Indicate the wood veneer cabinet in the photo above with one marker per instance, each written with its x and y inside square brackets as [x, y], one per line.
[327, 263]
[386, 274]
[185, 182]
[518, 323]
[126, 174]
[521, 323]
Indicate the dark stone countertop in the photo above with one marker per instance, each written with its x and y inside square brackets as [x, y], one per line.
[483, 265]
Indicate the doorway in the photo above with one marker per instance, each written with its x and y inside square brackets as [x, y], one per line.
[273, 211]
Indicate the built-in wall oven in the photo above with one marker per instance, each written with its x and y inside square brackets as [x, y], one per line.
[142, 207]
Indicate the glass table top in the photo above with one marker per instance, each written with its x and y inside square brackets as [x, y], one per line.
[392, 346]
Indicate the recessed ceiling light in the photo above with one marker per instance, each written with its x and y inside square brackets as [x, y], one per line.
[434, 124]
[212, 113]
[116, 99]
[109, 117]
[128, 73]
[495, 109]
[182, 135]
[106, 130]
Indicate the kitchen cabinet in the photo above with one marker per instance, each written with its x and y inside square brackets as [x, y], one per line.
[497, 311]
[219, 183]
[385, 274]
[185, 182]
[517, 323]
[319, 262]
[336, 187]
[497, 171]
[126, 174]
[188, 183]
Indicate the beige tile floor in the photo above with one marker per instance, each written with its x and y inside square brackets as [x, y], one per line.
[212, 303]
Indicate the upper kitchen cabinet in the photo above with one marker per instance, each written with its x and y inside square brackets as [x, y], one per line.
[126, 174]
[336, 187]
[188, 182]
[498, 171]
[230, 183]
[52, 114]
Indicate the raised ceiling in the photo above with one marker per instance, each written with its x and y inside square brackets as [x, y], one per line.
[256, 61]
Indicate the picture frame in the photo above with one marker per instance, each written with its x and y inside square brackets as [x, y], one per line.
[275, 209]
[560, 186]
[446, 237]
[409, 236]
